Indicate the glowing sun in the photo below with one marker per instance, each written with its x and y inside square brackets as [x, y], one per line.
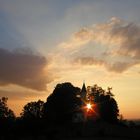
[89, 106]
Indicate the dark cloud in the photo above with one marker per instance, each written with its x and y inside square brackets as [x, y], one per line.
[130, 39]
[23, 68]
[117, 67]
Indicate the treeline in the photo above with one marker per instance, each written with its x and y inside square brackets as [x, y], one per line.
[64, 107]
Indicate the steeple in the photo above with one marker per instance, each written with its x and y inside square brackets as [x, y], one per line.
[83, 92]
[84, 88]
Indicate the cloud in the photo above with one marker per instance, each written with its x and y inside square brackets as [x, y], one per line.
[88, 61]
[117, 67]
[24, 68]
[76, 41]
[119, 39]
[124, 36]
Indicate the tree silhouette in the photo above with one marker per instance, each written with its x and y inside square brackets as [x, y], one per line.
[62, 103]
[5, 112]
[33, 110]
[7, 116]
[106, 104]
[108, 109]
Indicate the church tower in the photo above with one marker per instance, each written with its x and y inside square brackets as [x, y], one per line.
[83, 92]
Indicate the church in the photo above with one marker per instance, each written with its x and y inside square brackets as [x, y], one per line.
[84, 92]
[79, 115]
[88, 109]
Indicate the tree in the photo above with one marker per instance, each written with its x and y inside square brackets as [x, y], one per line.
[62, 103]
[108, 109]
[33, 110]
[106, 104]
[5, 112]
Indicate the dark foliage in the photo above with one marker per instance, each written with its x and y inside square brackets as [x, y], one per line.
[54, 117]
[62, 103]
[33, 110]
[7, 116]
[107, 107]
[5, 112]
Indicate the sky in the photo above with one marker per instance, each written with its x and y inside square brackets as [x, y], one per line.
[45, 42]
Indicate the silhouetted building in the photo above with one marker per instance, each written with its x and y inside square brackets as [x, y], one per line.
[84, 92]
[79, 115]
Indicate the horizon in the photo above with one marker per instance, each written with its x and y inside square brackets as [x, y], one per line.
[36, 99]
[43, 43]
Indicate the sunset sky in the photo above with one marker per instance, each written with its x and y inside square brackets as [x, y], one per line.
[45, 42]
